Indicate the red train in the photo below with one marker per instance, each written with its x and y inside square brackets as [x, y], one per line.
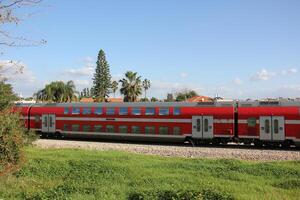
[259, 122]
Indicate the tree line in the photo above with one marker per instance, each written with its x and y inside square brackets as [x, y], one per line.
[131, 87]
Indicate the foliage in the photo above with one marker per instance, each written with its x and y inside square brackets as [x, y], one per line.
[131, 86]
[7, 97]
[144, 100]
[146, 86]
[153, 99]
[57, 91]
[186, 94]
[102, 78]
[114, 87]
[85, 93]
[85, 174]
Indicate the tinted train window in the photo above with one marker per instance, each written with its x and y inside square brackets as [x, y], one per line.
[176, 111]
[66, 111]
[163, 111]
[123, 111]
[276, 126]
[86, 111]
[86, 128]
[37, 118]
[110, 128]
[251, 122]
[136, 111]
[176, 130]
[205, 125]
[135, 129]
[110, 111]
[75, 111]
[98, 111]
[97, 128]
[150, 130]
[164, 130]
[267, 126]
[66, 127]
[123, 129]
[150, 111]
[75, 127]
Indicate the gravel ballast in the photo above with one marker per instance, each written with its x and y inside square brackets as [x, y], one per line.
[232, 152]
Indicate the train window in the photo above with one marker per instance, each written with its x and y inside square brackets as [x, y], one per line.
[66, 111]
[97, 128]
[276, 126]
[150, 130]
[136, 111]
[86, 111]
[135, 129]
[267, 126]
[75, 111]
[66, 127]
[37, 118]
[75, 127]
[150, 111]
[164, 130]
[86, 128]
[176, 111]
[251, 122]
[123, 111]
[110, 128]
[110, 111]
[163, 111]
[205, 125]
[176, 130]
[198, 125]
[123, 129]
[98, 111]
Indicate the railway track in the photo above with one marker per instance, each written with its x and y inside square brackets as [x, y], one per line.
[231, 151]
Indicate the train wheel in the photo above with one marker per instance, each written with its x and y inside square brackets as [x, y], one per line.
[190, 141]
[258, 143]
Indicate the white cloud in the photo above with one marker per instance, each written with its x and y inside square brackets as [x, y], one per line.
[262, 75]
[289, 71]
[237, 81]
[183, 75]
[87, 69]
[16, 71]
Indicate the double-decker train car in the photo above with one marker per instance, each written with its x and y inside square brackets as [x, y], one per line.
[258, 122]
[175, 121]
[267, 122]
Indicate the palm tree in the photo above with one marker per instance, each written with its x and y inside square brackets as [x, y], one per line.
[114, 87]
[131, 86]
[146, 86]
[57, 91]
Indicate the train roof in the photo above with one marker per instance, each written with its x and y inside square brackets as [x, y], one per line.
[134, 104]
[267, 103]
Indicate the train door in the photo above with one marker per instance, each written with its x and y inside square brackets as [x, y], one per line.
[272, 128]
[48, 123]
[202, 127]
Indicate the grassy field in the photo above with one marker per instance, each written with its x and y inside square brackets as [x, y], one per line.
[80, 174]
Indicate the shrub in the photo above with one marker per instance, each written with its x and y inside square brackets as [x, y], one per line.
[13, 136]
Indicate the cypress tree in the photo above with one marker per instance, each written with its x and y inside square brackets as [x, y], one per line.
[102, 78]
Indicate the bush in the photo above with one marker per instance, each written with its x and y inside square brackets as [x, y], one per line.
[13, 136]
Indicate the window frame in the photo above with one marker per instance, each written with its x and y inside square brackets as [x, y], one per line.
[149, 132]
[162, 114]
[96, 128]
[98, 108]
[66, 109]
[136, 132]
[166, 128]
[84, 128]
[178, 109]
[149, 114]
[178, 132]
[132, 111]
[110, 109]
[86, 109]
[75, 109]
[75, 125]
[251, 122]
[112, 128]
[123, 126]
[123, 113]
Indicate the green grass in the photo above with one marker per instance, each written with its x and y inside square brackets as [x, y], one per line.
[82, 174]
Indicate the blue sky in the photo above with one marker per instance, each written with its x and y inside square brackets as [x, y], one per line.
[238, 49]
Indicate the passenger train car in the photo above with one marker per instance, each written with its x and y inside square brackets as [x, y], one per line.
[261, 123]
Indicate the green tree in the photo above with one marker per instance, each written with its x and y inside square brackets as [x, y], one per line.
[131, 86]
[85, 93]
[57, 91]
[153, 99]
[7, 97]
[146, 86]
[186, 94]
[102, 78]
[114, 87]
